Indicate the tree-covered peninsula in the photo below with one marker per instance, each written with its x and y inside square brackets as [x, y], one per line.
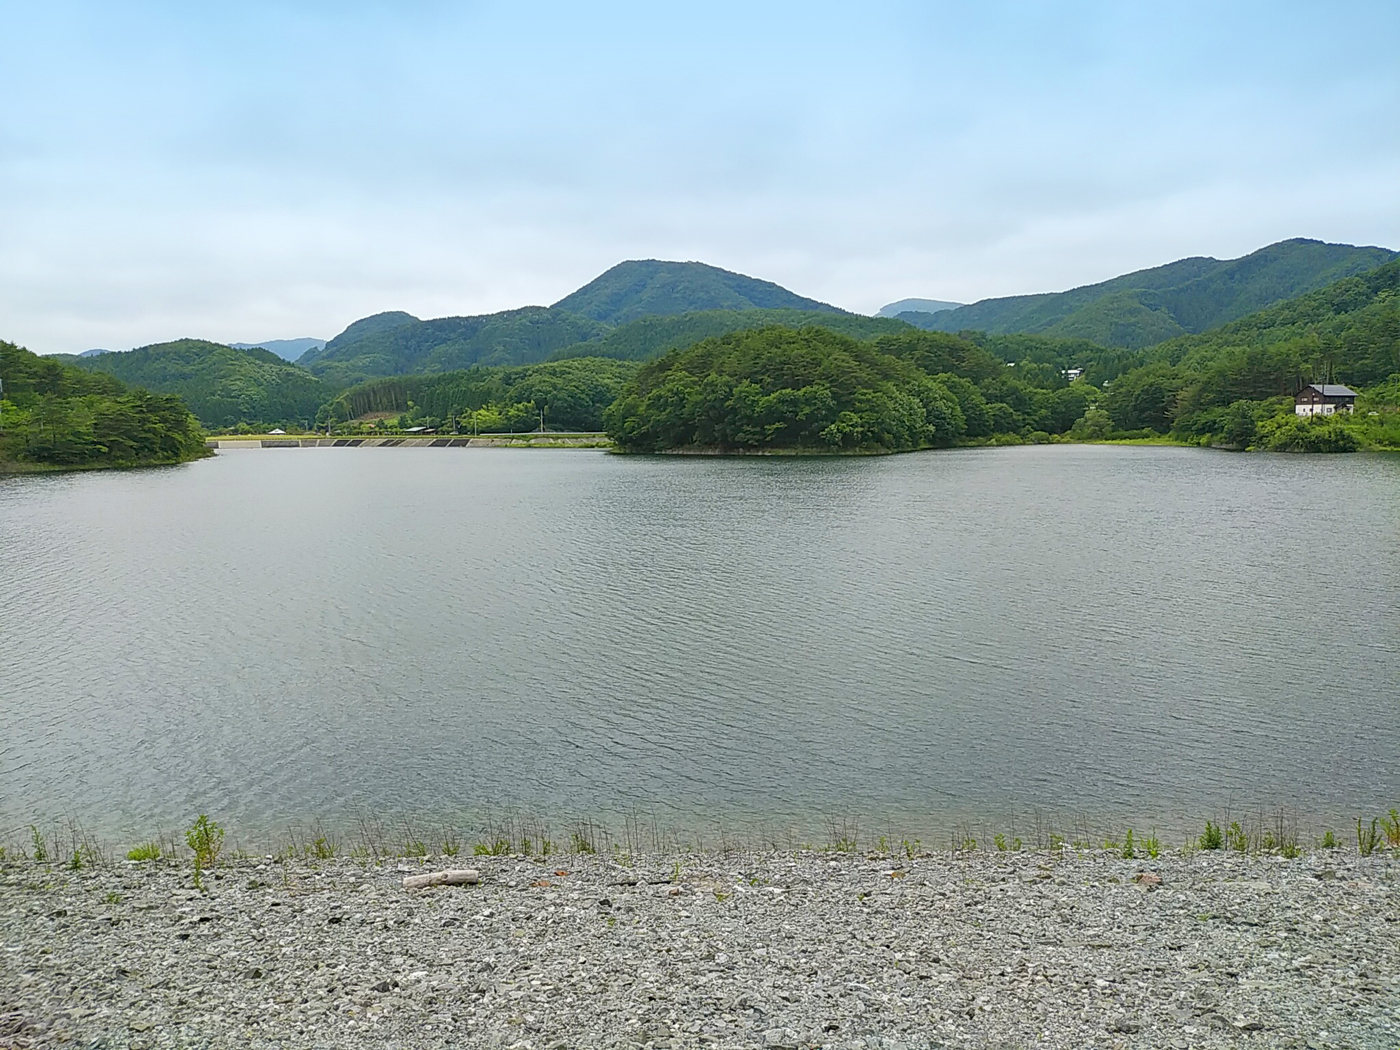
[55, 416]
[810, 389]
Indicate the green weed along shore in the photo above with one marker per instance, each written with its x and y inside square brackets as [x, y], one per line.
[373, 841]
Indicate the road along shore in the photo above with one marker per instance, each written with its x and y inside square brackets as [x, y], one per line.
[764, 949]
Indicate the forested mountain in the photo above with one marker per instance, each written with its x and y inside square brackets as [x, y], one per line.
[222, 386]
[566, 395]
[649, 337]
[650, 287]
[375, 324]
[1230, 385]
[1149, 306]
[1348, 332]
[512, 337]
[633, 311]
[55, 414]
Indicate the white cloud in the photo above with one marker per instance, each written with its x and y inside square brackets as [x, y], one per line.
[286, 168]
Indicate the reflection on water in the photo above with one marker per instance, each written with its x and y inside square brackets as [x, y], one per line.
[1135, 633]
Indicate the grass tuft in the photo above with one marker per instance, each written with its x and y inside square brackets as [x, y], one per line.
[1391, 826]
[1367, 839]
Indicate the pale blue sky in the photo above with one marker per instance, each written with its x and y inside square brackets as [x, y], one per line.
[260, 170]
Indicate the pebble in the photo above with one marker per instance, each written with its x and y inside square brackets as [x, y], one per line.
[784, 951]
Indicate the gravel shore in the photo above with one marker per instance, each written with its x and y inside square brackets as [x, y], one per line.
[770, 950]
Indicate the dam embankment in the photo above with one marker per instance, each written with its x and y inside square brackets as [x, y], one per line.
[579, 440]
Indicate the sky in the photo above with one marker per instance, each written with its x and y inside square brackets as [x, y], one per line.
[262, 170]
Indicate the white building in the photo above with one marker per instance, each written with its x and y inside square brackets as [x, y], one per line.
[1324, 399]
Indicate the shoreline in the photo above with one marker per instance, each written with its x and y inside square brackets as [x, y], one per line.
[591, 442]
[765, 948]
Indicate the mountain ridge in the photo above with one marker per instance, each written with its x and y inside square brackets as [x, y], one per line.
[222, 386]
[667, 297]
[1187, 296]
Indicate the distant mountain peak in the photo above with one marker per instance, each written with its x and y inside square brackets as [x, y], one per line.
[286, 349]
[657, 287]
[916, 306]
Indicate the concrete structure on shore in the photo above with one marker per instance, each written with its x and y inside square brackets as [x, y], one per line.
[579, 440]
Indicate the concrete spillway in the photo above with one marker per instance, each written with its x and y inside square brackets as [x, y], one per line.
[485, 441]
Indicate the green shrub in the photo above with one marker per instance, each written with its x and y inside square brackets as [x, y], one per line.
[1212, 838]
[145, 851]
[1293, 433]
[206, 839]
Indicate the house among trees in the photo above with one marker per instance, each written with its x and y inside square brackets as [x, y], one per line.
[1324, 399]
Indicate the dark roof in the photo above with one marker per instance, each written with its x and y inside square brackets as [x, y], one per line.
[1332, 389]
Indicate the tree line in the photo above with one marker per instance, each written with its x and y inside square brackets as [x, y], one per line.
[52, 414]
[561, 395]
[813, 389]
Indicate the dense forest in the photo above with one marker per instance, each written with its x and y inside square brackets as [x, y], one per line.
[55, 415]
[224, 387]
[561, 395]
[812, 389]
[1227, 386]
[650, 337]
[1146, 307]
[512, 337]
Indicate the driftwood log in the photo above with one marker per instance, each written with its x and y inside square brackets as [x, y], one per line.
[451, 877]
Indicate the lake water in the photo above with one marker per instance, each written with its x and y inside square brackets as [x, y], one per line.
[1117, 634]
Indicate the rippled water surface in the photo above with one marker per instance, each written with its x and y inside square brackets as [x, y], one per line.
[1125, 633]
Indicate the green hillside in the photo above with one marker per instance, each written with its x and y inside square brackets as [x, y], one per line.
[650, 287]
[53, 414]
[222, 386]
[512, 337]
[1143, 308]
[816, 390]
[1348, 332]
[649, 337]
[375, 324]
[634, 311]
[569, 395]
